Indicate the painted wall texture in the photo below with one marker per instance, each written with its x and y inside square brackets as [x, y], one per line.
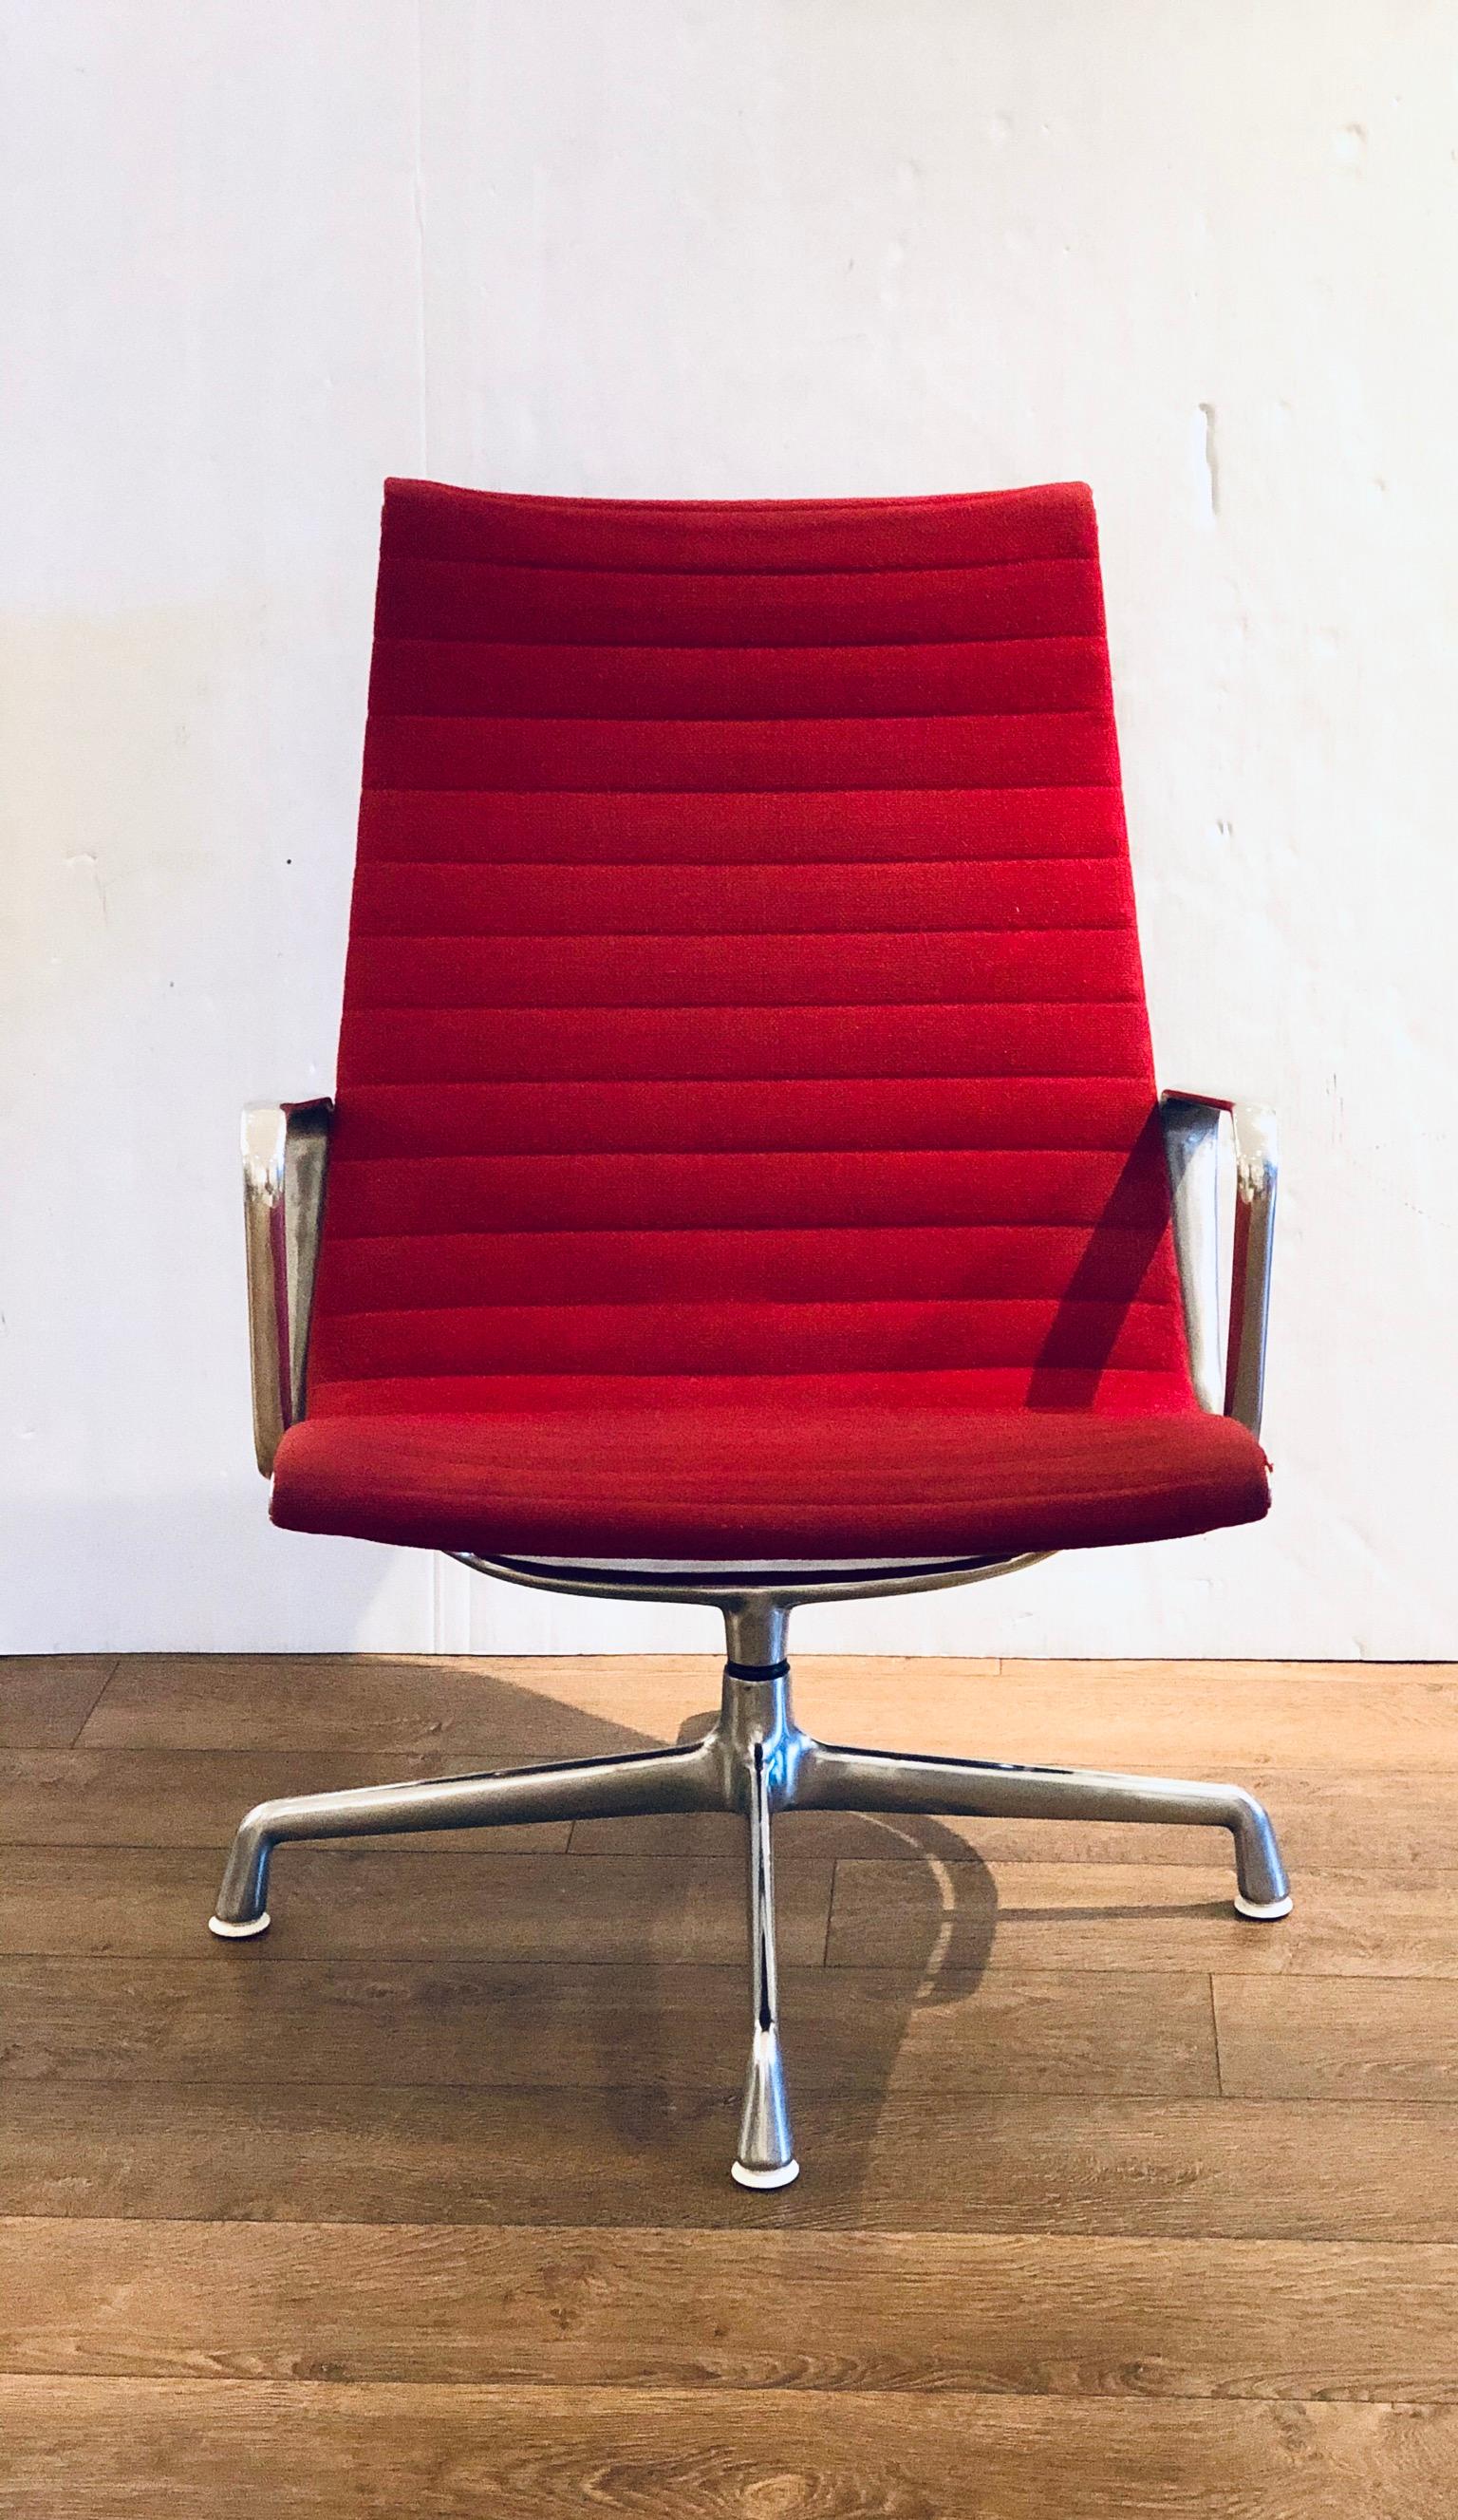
[258, 257]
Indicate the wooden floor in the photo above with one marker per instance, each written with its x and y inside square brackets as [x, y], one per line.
[1111, 2205]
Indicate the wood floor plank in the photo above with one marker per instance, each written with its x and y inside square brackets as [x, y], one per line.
[475, 1712]
[1164, 2169]
[115, 1797]
[1177, 1719]
[1069, 1917]
[428, 1897]
[46, 1698]
[1328, 2038]
[94, 2446]
[458, 1897]
[240, 2018]
[429, 1900]
[1036, 2315]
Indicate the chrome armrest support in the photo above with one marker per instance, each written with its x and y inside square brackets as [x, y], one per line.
[1231, 1387]
[286, 1159]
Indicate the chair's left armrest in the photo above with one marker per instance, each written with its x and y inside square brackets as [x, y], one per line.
[1233, 1385]
[286, 1160]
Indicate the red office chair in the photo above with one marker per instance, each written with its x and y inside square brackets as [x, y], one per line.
[745, 1183]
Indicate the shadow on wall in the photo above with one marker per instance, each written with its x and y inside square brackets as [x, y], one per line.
[1109, 1279]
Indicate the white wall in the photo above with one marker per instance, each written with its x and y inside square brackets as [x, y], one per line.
[259, 254]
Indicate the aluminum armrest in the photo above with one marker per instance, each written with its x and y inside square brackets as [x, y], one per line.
[1230, 1386]
[286, 1159]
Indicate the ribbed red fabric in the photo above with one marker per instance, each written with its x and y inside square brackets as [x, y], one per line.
[744, 1129]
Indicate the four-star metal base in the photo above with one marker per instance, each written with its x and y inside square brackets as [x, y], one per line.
[756, 1761]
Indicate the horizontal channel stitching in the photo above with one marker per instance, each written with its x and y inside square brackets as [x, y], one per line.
[392, 557]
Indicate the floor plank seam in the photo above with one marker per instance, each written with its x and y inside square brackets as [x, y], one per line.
[1215, 2035]
[112, 1668]
[707, 2386]
[678, 2391]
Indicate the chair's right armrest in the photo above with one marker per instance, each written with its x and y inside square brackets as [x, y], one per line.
[285, 1161]
[1232, 1386]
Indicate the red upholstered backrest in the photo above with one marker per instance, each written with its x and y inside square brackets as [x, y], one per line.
[742, 972]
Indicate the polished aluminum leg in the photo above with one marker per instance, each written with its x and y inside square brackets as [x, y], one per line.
[766, 2155]
[830, 1779]
[651, 1780]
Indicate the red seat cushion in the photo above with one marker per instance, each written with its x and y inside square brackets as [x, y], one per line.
[759, 1466]
[744, 1129]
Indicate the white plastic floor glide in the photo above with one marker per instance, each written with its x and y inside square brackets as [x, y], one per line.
[784, 2176]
